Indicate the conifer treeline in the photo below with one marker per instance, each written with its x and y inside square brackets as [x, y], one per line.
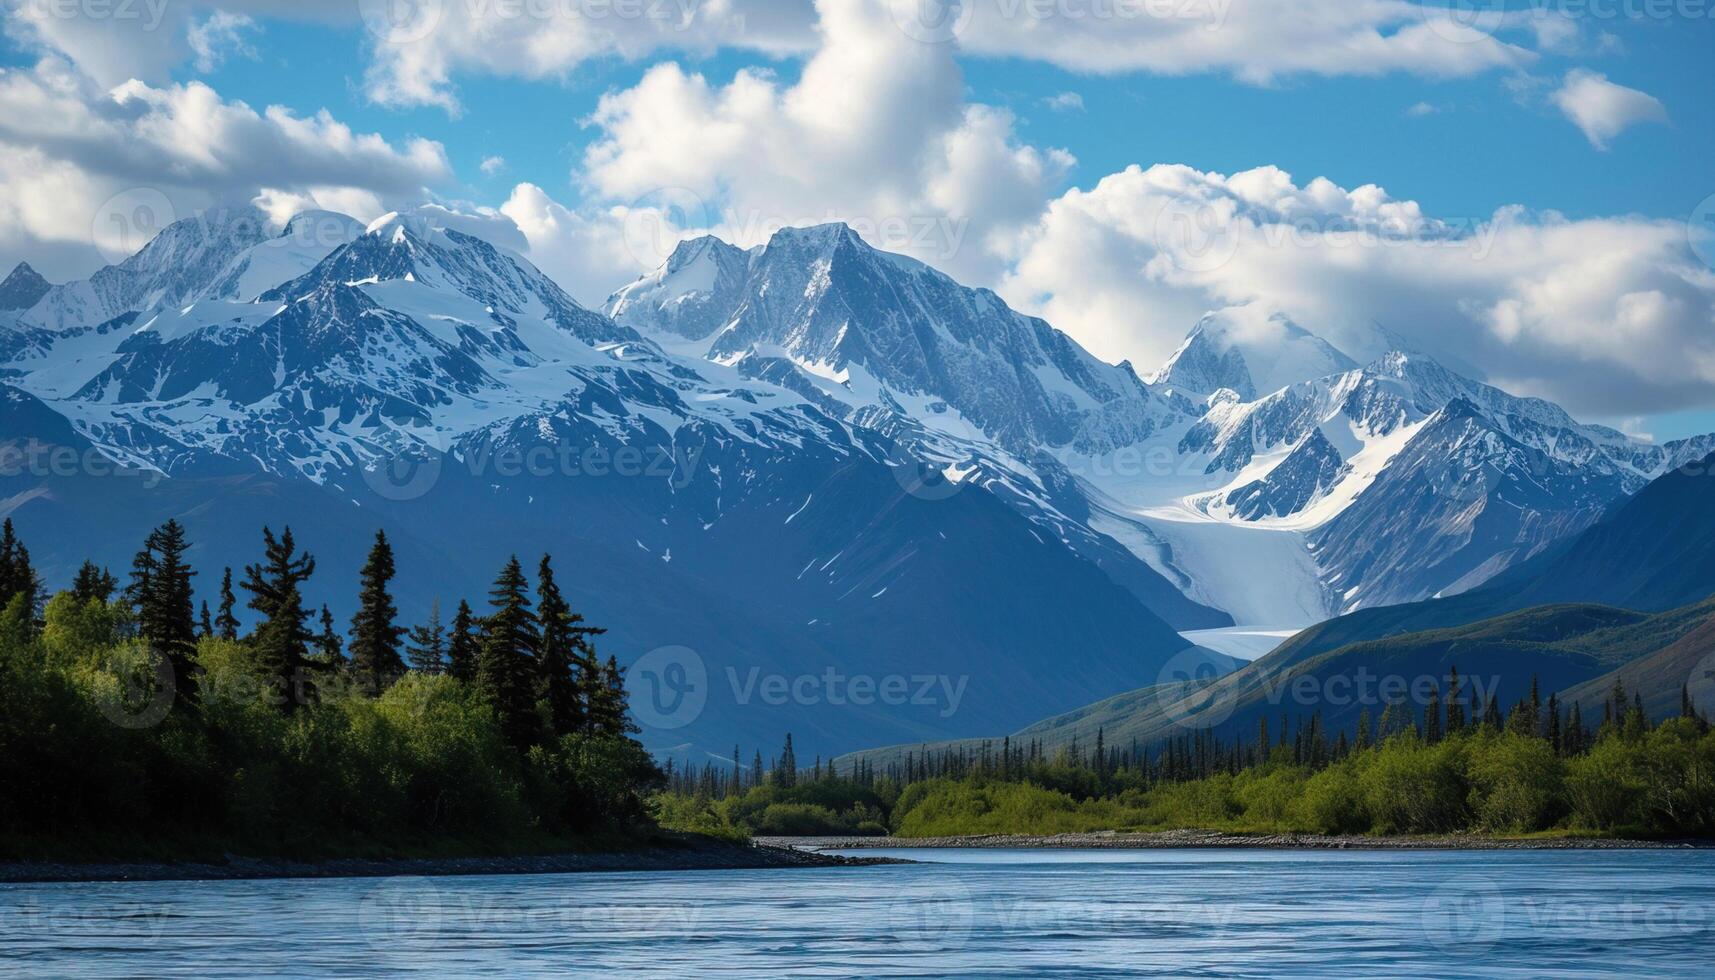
[133, 713]
[1301, 741]
[535, 662]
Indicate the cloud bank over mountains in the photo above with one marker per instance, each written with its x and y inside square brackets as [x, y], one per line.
[1610, 316]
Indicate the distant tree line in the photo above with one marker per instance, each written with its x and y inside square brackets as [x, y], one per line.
[1454, 767]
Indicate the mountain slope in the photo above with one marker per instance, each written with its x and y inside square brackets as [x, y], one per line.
[1249, 353]
[687, 504]
[1652, 551]
[1568, 648]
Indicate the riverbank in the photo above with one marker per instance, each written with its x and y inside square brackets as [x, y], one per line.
[1171, 839]
[676, 854]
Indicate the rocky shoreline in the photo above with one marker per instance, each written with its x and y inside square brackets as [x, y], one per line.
[682, 855]
[1217, 839]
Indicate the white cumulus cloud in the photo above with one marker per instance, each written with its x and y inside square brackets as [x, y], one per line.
[1602, 109]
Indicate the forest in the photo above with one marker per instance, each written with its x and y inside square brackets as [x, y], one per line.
[135, 723]
[1537, 769]
[135, 726]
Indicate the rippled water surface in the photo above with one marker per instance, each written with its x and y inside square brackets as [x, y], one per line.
[982, 913]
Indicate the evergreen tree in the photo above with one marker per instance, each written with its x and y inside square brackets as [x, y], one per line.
[1554, 736]
[1492, 715]
[786, 774]
[506, 666]
[607, 710]
[1616, 709]
[1574, 734]
[330, 649]
[559, 685]
[427, 646]
[282, 638]
[93, 584]
[1432, 717]
[1636, 722]
[205, 623]
[280, 645]
[1521, 721]
[462, 645]
[1455, 703]
[17, 576]
[161, 594]
[375, 637]
[1363, 740]
[226, 622]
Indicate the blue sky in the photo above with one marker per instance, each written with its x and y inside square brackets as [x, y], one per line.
[1447, 136]
[1480, 148]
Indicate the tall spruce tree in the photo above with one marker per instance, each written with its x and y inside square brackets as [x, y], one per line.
[463, 645]
[282, 638]
[786, 774]
[559, 685]
[1455, 704]
[427, 645]
[17, 575]
[375, 637]
[205, 622]
[506, 666]
[1554, 736]
[226, 621]
[161, 594]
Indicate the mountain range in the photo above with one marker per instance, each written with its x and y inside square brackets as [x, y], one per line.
[805, 457]
[1630, 599]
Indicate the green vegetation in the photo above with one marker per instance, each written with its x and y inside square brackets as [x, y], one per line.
[130, 730]
[1453, 771]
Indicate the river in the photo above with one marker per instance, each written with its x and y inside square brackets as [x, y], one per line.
[980, 913]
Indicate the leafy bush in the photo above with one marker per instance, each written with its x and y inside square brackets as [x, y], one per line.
[1413, 788]
[1516, 783]
[1332, 802]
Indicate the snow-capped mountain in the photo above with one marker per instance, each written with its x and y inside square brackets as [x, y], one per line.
[839, 457]
[693, 503]
[1249, 352]
[1227, 472]
[869, 327]
[23, 288]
